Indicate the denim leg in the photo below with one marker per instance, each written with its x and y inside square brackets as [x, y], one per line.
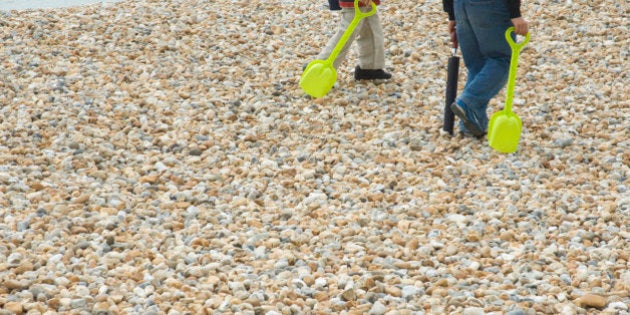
[473, 58]
[481, 26]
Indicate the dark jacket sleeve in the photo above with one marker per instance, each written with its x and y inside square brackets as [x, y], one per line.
[448, 8]
[515, 8]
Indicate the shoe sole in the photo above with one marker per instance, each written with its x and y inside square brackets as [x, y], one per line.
[474, 130]
[373, 80]
[369, 78]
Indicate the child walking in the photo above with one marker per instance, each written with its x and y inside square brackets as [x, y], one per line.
[479, 27]
[369, 38]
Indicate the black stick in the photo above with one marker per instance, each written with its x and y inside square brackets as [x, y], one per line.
[451, 91]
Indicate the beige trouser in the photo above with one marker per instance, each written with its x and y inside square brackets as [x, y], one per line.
[369, 37]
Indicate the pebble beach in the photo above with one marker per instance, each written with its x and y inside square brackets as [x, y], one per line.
[159, 157]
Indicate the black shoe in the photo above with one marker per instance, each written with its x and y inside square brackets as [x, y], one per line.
[371, 74]
[471, 122]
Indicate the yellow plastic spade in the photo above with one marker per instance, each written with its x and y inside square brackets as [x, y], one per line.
[504, 128]
[320, 75]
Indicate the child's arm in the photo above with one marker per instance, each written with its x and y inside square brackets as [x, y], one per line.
[521, 26]
[448, 7]
[515, 8]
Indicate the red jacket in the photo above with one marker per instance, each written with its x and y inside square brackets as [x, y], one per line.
[350, 3]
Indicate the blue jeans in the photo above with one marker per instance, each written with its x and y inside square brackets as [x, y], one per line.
[480, 26]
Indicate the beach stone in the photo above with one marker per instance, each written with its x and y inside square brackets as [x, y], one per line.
[624, 281]
[473, 311]
[516, 312]
[377, 309]
[16, 284]
[393, 291]
[410, 291]
[620, 306]
[14, 307]
[349, 295]
[592, 300]
[14, 260]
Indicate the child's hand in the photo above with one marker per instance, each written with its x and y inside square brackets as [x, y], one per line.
[520, 26]
[365, 2]
[453, 33]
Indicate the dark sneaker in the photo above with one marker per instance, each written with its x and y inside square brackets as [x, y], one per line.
[334, 5]
[471, 122]
[371, 74]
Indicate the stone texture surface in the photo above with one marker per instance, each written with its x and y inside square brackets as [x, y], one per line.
[159, 157]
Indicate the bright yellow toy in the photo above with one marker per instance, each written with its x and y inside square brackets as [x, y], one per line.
[504, 129]
[320, 75]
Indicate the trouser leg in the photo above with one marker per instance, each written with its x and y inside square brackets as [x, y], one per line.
[371, 44]
[347, 14]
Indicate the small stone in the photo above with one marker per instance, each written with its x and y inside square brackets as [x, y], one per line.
[473, 236]
[624, 282]
[253, 300]
[409, 291]
[14, 259]
[308, 279]
[619, 306]
[413, 244]
[54, 303]
[591, 300]
[15, 284]
[62, 281]
[393, 291]
[321, 296]
[321, 283]
[83, 244]
[473, 311]
[367, 283]
[377, 309]
[101, 308]
[23, 267]
[348, 295]
[14, 307]
[507, 236]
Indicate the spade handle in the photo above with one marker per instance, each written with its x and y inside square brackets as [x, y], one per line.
[516, 49]
[358, 16]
